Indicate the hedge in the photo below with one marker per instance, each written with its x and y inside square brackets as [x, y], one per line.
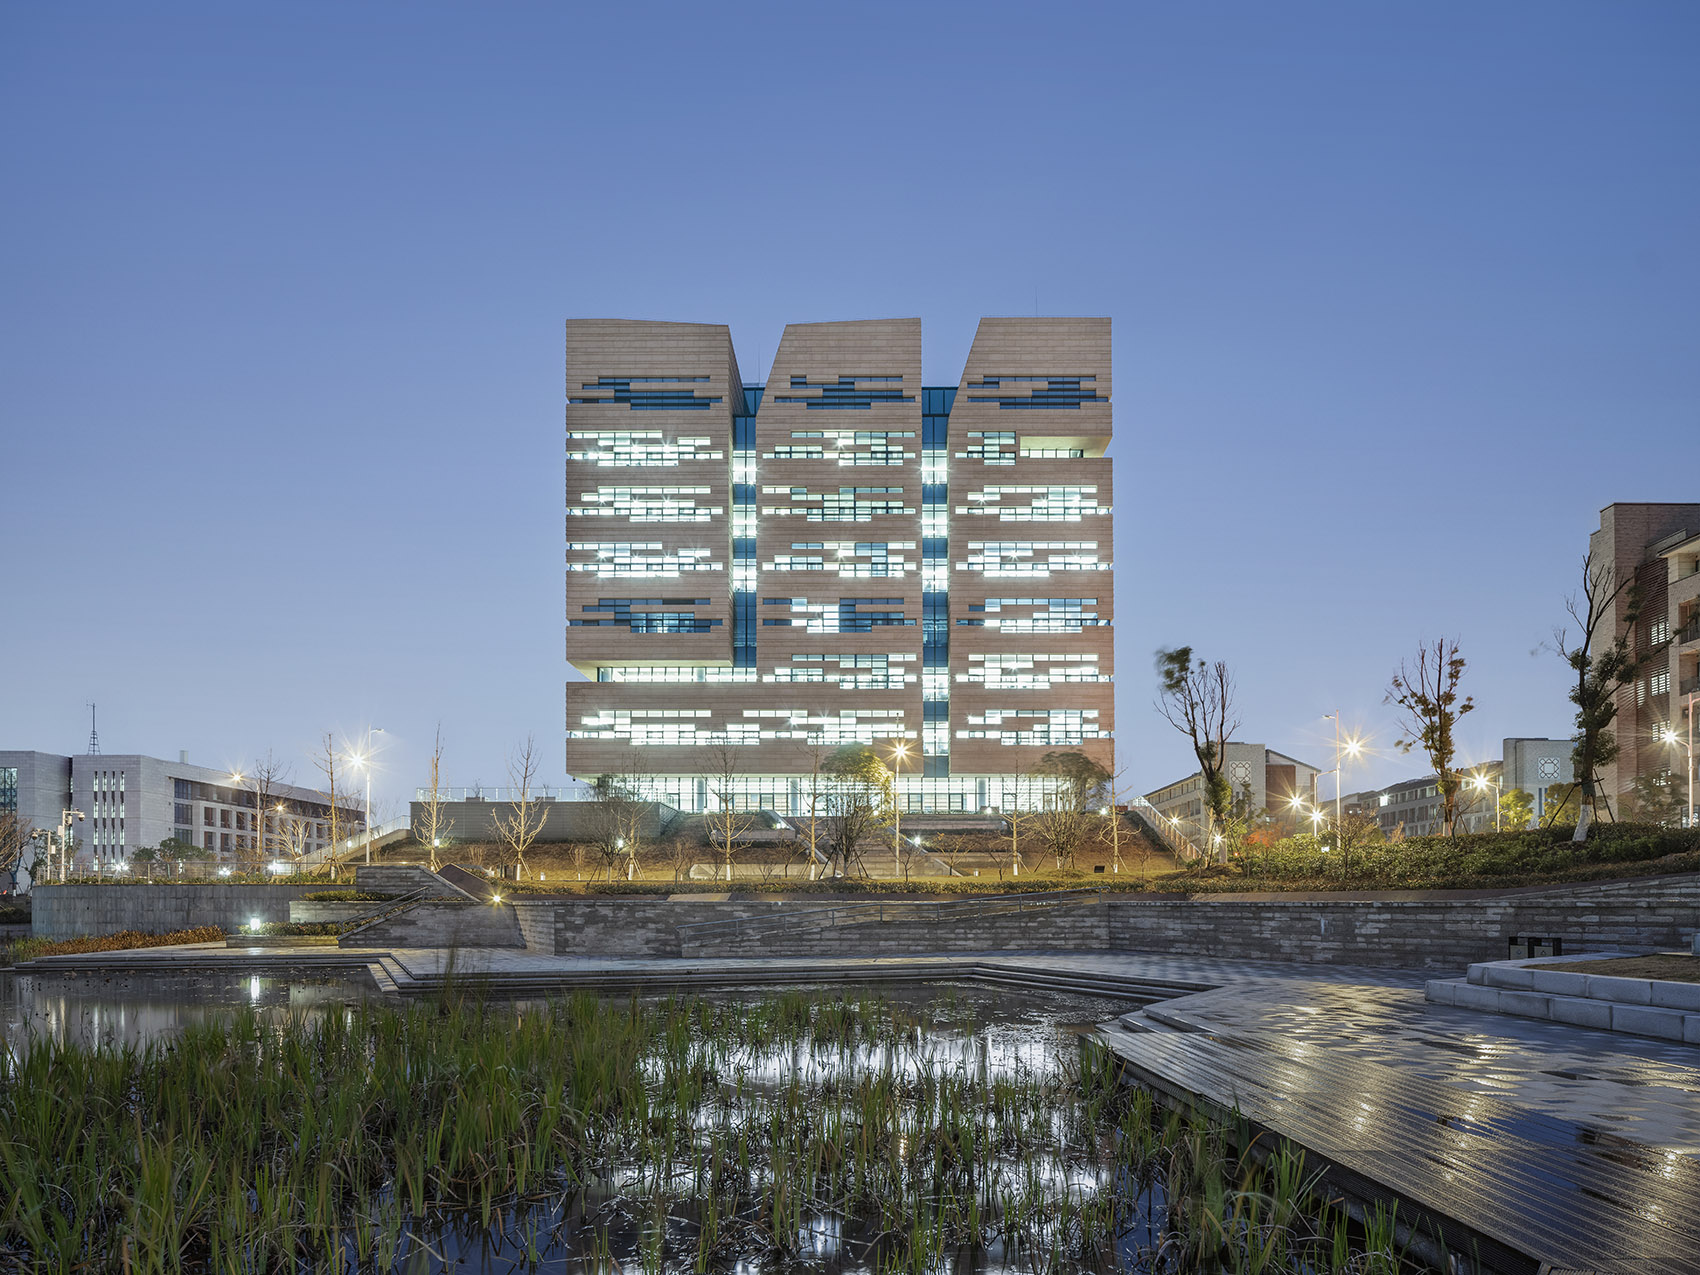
[122, 941]
[347, 896]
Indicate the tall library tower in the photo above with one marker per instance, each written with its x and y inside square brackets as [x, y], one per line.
[840, 556]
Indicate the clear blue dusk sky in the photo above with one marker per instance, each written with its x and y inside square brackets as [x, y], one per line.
[1403, 294]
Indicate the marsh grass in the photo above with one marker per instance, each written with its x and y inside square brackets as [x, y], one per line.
[794, 1132]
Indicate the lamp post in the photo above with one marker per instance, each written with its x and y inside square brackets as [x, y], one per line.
[899, 751]
[1343, 748]
[65, 818]
[1481, 783]
[1687, 745]
[238, 778]
[365, 763]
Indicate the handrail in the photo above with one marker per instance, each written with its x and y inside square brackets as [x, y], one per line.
[896, 909]
[342, 851]
[1163, 828]
[382, 912]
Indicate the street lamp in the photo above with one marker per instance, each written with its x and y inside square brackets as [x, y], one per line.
[65, 818]
[899, 751]
[1481, 783]
[238, 778]
[1673, 739]
[365, 763]
[1343, 748]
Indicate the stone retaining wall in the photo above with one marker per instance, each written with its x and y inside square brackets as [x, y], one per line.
[442, 923]
[317, 912]
[70, 911]
[1413, 930]
[1073, 927]
[1421, 929]
[536, 924]
[1442, 930]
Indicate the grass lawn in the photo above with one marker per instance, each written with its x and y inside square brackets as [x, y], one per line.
[1669, 967]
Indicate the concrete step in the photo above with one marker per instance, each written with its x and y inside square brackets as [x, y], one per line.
[1530, 976]
[1658, 1022]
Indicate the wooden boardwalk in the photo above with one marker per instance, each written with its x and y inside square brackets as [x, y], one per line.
[1518, 1190]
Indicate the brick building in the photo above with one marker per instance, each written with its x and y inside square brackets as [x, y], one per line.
[1659, 547]
[841, 556]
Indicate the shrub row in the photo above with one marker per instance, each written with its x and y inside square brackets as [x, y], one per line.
[347, 896]
[1477, 860]
[124, 940]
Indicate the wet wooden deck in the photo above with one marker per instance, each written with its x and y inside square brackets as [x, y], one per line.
[1517, 1190]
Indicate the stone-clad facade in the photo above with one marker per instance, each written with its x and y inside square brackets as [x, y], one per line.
[841, 556]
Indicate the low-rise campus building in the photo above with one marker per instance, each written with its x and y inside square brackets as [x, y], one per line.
[1261, 779]
[122, 802]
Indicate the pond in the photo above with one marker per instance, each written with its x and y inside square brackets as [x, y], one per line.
[294, 1124]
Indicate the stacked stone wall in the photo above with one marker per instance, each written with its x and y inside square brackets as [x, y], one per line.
[442, 923]
[71, 911]
[1413, 930]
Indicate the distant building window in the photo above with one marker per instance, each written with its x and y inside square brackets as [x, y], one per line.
[1659, 684]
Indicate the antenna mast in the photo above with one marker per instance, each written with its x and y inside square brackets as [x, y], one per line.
[94, 735]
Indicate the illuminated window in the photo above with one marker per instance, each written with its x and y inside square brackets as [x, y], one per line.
[1047, 504]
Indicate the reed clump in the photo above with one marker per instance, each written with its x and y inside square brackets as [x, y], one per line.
[679, 1135]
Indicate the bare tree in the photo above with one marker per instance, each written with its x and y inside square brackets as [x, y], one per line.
[1065, 818]
[1018, 813]
[1600, 674]
[726, 822]
[518, 826]
[266, 779]
[681, 855]
[858, 802]
[326, 762]
[817, 805]
[290, 835]
[1197, 699]
[617, 820]
[432, 825]
[1116, 787]
[16, 833]
[1428, 694]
